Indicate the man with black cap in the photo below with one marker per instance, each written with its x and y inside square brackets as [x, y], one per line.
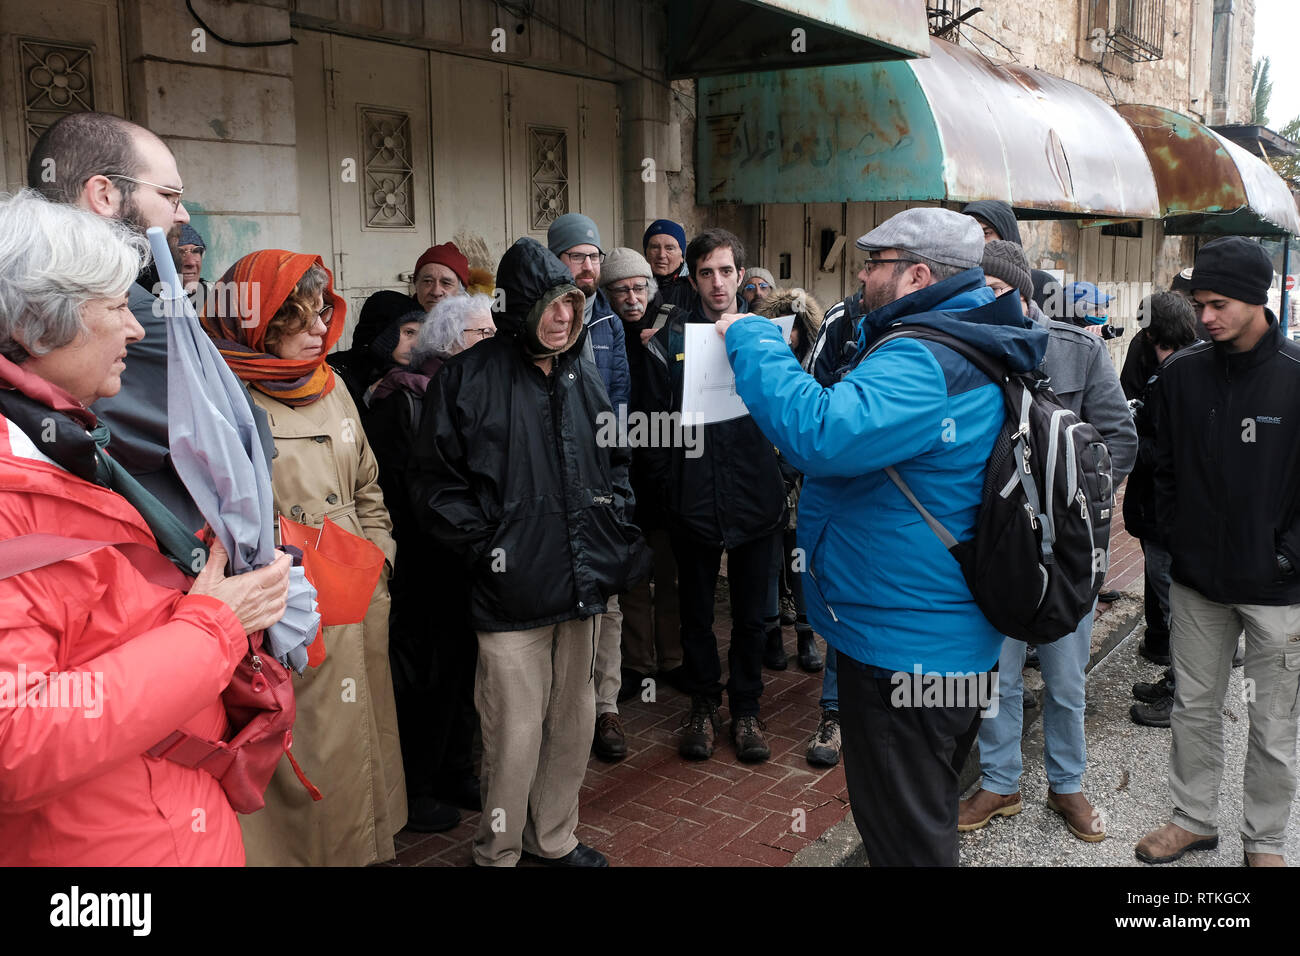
[882, 588]
[664, 244]
[1227, 480]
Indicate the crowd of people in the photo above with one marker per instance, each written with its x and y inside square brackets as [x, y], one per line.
[537, 573]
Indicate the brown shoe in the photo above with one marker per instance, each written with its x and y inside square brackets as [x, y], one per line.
[977, 810]
[1169, 842]
[1083, 819]
[1265, 859]
[610, 742]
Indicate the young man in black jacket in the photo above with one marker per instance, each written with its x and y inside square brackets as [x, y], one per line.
[1227, 476]
[725, 492]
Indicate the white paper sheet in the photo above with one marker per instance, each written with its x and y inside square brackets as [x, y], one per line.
[708, 385]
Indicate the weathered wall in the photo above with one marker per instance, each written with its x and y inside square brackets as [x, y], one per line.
[226, 112]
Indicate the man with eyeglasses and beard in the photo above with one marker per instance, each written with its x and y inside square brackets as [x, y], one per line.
[113, 168]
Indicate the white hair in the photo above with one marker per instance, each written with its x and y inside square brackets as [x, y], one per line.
[55, 258]
[443, 334]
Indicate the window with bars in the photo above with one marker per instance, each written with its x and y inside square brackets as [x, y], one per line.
[1132, 29]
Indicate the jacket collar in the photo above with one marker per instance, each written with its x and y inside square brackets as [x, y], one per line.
[16, 378]
[1238, 363]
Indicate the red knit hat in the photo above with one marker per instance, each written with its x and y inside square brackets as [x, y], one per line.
[446, 255]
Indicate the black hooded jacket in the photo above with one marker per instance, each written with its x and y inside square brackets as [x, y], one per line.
[1227, 469]
[507, 472]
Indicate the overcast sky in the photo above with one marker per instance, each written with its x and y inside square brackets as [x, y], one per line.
[1277, 33]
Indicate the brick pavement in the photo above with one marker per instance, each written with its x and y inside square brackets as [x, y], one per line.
[656, 809]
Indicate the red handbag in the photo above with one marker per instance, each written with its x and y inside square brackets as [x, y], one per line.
[259, 699]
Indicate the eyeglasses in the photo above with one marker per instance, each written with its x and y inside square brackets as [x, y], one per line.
[170, 193]
[481, 333]
[578, 258]
[326, 314]
[623, 291]
[876, 262]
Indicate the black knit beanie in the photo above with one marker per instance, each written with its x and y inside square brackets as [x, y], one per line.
[1235, 267]
[1005, 260]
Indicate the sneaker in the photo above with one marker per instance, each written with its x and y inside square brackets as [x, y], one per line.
[702, 724]
[824, 748]
[1150, 693]
[774, 649]
[610, 742]
[1154, 714]
[747, 735]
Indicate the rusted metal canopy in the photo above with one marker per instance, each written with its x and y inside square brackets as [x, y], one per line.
[1207, 184]
[953, 127]
[715, 37]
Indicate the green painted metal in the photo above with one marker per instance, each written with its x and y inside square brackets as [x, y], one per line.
[952, 128]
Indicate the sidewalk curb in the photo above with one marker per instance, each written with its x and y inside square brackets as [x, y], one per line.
[841, 845]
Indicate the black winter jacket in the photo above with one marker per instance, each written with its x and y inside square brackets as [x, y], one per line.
[506, 470]
[1140, 518]
[732, 491]
[1227, 469]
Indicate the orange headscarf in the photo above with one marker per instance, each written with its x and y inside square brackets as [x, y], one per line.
[247, 298]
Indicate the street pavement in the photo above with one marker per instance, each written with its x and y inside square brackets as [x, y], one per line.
[1127, 779]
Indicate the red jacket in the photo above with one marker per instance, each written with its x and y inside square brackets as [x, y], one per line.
[75, 787]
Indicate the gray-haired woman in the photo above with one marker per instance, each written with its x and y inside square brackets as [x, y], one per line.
[432, 654]
[105, 628]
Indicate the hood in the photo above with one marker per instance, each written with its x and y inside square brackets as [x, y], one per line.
[530, 278]
[998, 215]
[783, 302]
[964, 307]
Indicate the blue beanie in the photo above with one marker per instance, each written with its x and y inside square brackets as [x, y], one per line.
[572, 229]
[665, 227]
[190, 237]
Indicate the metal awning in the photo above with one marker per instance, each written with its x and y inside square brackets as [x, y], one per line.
[715, 37]
[953, 128]
[1207, 184]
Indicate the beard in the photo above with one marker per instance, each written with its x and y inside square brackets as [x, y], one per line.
[878, 298]
[132, 216]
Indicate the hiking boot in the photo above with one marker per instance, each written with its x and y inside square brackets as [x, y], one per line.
[1154, 714]
[747, 735]
[824, 748]
[774, 649]
[810, 659]
[1082, 818]
[1169, 842]
[1150, 693]
[982, 806]
[702, 724]
[788, 613]
[610, 743]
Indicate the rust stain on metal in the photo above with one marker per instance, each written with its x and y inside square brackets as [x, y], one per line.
[1193, 172]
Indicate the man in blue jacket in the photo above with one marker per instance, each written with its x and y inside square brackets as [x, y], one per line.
[915, 650]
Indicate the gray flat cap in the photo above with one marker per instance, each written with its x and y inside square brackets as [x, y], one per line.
[930, 233]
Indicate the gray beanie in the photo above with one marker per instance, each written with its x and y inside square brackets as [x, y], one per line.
[572, 229]
[1005, 260]
[757, 273]
[624, 263]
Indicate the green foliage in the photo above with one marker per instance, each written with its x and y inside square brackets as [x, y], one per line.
[1261, 89]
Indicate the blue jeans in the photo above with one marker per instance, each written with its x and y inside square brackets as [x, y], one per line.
[830, 681]
[1065, 751]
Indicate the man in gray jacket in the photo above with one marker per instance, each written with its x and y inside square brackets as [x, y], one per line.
[1085, 382]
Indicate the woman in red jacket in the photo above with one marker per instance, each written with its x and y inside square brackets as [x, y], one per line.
[97, 662]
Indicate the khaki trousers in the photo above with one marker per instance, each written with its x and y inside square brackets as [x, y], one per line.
[609, 658]
[536, 703]
[652, 642]
[1203, 637]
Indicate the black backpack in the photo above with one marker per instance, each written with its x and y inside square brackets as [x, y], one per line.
[1039, 555]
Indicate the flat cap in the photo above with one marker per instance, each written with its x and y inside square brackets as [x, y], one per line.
[931, 234]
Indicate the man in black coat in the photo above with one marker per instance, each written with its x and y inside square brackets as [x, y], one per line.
[1227, 480]
[508, 473]
[722, 493]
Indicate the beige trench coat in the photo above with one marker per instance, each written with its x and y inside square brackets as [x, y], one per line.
[345, 736]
